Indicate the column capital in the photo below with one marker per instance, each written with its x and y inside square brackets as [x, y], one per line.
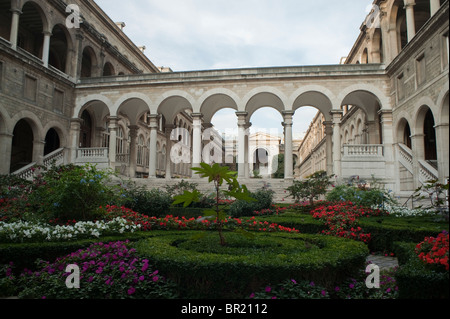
[409, 3]
[197, 115]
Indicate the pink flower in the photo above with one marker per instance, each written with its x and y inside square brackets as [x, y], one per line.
[252, 295]
[268, 289]
[131, 290]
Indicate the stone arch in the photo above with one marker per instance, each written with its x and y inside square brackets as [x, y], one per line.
[368, 98]
[60, 45]
[172, 105]
[32, 120]
[89, 62]
[425, 126]
[133, 106]
[318, 98]
[60, 130]
[212, 103]
[84, 102]
[108, 69]
[255, 99]
[36, 21]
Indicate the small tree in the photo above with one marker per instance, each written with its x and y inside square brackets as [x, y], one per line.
[218, 175]
[311, 188]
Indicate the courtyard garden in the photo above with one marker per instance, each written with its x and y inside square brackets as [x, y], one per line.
[77, 232]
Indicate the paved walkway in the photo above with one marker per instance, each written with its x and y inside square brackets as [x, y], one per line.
[383, 262]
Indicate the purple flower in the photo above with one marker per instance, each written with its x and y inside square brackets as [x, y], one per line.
[312, 284]
[252, 295]
[293, 280]
[268, 289]
[141, 278]
[351, 286]
[131, 290]
[324, 293]
[337, 289]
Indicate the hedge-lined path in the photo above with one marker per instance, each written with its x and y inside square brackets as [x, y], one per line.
[383, 262]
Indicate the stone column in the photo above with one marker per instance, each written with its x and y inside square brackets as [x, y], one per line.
[75, 126]
[38, 151]
[14, 27]
[153, 146]
[442, 133]
[5, 153]
[336, 114]
[249, 166]
[197, 141]
[242, 151]
[329, 145]
[410, 20]
[434, 6]
[388, 144]
[46, 48]
[288, 153]
[113, 127]
[133, 150]
[78, 55]
[168, 131]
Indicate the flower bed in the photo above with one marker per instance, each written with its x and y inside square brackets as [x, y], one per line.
[107, 271]
[434, 251]
[342, 219]
[19, 232]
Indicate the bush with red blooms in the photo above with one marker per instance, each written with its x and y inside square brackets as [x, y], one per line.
[342, 219]
[170, 222]
[434, 251]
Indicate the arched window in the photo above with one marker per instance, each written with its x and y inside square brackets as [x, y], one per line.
[88, 62]
[430, 138]
[58, 48]
[108, 69]
[52, 141]
[31, 28]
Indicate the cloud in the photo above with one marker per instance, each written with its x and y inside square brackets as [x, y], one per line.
[209, 34]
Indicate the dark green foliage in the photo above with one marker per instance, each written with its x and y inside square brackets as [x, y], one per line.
[417, 281]
[203, 268]
[153, 202]
[263, 199]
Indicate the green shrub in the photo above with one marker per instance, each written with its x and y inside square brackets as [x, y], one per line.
[415, 279]
[24, 255]
[311, 188]
[153, 202]
[203, 268]
[263, 200]
[73, 193]
[368, 197]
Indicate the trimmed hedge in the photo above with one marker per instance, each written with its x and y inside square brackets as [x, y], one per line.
[204, 269]
[415, 279]
[25, 255]
[384, 230]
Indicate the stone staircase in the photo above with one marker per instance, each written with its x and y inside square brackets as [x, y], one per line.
[277, 185]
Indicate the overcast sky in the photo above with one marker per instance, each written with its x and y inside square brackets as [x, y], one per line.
[188, 35]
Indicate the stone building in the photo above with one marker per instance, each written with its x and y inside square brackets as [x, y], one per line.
[75, 89]
[410, 38]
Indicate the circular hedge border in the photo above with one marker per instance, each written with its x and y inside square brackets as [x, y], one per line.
[204, 269]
